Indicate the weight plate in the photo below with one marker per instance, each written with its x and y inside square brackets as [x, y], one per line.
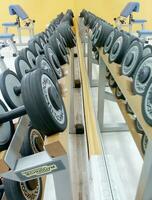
[70, 12]
[62, 41]
[93, 33]
[45, 37]
[119, 49]
[97, 37]
[107, 28]
[58, 50]
[21, 67]
[142, 75]
[147, 50]
[138, 127]
[51, 115]
[33, 142]
[107, 73]
[51, 56]
[10, 88]
[92, 21]
[67, 19]
[110, 40]
[129, 110]
[6, 130]
[133, 38]
[29, 190]
[43, 63]
[48, 32]
[40, 40]
[132, 58]
[119, 94]
[35, 47]
[147, 103]
[144, 143]
[112, 82]
[101, 34]
[28, 55]
[59, 37]
[66, 32]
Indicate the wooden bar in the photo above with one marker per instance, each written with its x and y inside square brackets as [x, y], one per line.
[92, 131]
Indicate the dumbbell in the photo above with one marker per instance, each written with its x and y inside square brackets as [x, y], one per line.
[33, 142]
[51, 56]
[62, 41]
[138, 127]
[6, 130]
[128, 109]
[119, 49]
[35, 47]
[29, 56]
[58, 50]
[40, 40]
[67, 19]
[36, 96]
[101, 34]
[144, 143]
[115, 33]
[119, 94]
[112, 82]
[1, 189]
[22, 67]
[132, 58]
[48, 32]
[142, 75]
[107, 73]
[70, 12]
[28, 190]
[44, 36]
[147, 50]
[146, 106]
[67, 33]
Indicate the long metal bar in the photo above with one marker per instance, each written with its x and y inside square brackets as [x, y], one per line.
[101, 92]
[62, 182]
[12, 154]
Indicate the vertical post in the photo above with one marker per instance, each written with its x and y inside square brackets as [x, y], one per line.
[13, 46]
[101, 92]
[142, 26]
[19, 35]
[2, 64]
[130, 28]
[144, 191]
[6, 29]
[62, 182]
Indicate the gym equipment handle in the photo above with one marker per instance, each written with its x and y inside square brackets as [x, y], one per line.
[10, 115]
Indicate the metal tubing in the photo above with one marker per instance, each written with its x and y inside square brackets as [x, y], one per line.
[10, 115]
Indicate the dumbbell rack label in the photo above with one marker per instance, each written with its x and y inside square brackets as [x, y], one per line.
[41, 170]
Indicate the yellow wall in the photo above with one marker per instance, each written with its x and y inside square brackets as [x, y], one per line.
[40, 10]
[44, 10]
[108, 9]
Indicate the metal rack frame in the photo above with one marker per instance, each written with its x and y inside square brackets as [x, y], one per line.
[144, 191]
[39, 164]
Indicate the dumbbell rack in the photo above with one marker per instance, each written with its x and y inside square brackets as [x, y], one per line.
[144, 191]
[53, 160]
